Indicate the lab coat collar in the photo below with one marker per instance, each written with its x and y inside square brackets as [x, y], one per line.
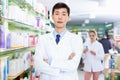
[51, 36]
[61, 34]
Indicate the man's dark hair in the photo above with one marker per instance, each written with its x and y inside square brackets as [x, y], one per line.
[60, 5]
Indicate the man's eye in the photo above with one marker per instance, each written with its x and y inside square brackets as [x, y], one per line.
[56, 14]
[64, 14]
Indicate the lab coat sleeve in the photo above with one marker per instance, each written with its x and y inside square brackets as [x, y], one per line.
[40, 65]
[70, 65]
[100, 53]
[84, 54]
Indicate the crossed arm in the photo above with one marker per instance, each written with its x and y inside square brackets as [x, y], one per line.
[57, 65]
[71, 56]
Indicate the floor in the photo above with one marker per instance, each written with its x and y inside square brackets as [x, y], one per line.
[81, 75]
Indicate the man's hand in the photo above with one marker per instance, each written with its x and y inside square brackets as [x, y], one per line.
[71, 56]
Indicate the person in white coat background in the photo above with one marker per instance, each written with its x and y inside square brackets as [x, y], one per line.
[93, 55]
[57, 54]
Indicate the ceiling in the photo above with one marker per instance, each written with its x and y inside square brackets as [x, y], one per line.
[89, 11]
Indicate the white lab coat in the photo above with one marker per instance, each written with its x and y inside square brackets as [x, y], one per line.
[93, 62]
[58, 67]
[112, 51]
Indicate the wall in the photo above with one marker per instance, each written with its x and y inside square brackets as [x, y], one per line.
[100, 28]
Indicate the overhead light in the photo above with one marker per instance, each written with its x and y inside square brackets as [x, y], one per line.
[92, 16]
[115, 3]
[86, 21]
[108, 25]
[102, 3]
[83, 24]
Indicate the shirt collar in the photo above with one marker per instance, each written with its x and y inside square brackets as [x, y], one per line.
[61, 34]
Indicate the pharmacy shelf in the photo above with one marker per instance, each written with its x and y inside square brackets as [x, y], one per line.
[22, 27]
[9, 52]
[15, 25]
[24, 5]
[110, 73]
[12, 77]
[18, 26]
[15, 76]
[114, 74]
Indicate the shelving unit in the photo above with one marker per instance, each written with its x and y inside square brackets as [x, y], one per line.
[114, 72]
[11, 52]
[20, 24]
[15, 76]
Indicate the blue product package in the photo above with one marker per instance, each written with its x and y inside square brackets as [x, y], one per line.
[86, 46]
[111, 63]
[2, 37]
[8, 41]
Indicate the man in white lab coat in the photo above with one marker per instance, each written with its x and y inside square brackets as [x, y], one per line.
[58, 58]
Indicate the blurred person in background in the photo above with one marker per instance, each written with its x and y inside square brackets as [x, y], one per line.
[114, 45]
[112, 40]
[106, 44]
[118, 47]
[93, 54]
[113, 49]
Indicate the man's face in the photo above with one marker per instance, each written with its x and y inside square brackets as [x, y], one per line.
[60, 17]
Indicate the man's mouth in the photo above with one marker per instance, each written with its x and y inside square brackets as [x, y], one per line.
[59, 22]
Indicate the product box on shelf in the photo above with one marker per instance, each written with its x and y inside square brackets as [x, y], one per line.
[20, 64]
[4, 8]
[17, 40]
[32, 40]
[112, 61]
[16, 67]
[38, 20]
[26, 58]
[0, 12]
[8, 37]
[4, 67]
[112, 66]
[2, 37]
